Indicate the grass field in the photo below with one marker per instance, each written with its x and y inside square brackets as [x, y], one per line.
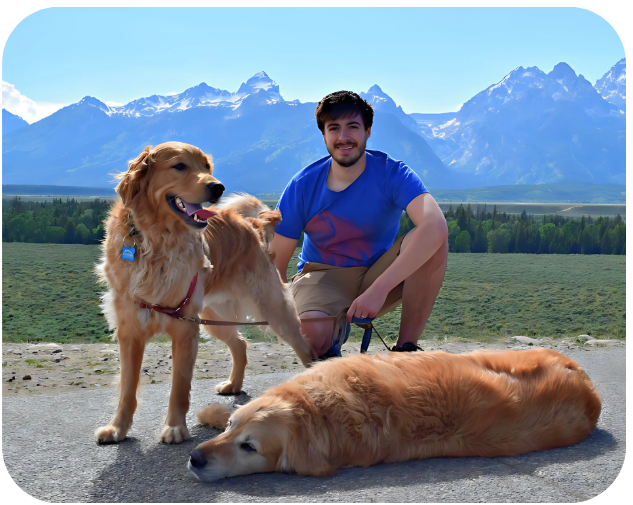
[50, 294]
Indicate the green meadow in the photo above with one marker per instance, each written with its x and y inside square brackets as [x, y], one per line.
[50, 294]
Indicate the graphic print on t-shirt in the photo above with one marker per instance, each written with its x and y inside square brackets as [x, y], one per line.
[353, 227]
[339, 242]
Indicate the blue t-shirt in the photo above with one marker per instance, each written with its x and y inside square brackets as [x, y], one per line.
[353, 227]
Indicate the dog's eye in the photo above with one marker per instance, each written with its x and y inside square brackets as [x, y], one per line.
[180, 166]
[247, 447]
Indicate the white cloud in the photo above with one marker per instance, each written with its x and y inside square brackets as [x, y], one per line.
[113, 104]
[20, 105]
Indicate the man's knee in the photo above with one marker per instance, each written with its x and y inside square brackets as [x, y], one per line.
[319, 333]
[441, 255]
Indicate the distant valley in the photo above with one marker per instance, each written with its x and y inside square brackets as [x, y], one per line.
[576, 193]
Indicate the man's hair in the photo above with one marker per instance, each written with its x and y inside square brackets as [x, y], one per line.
[343, 104]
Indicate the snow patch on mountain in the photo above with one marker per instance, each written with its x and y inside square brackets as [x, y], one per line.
[202, 95]
[90, 101]
[612, 85]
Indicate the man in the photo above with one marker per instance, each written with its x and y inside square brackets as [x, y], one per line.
[349, 205]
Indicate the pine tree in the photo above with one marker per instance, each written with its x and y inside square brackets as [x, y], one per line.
[480, 245]
[462, 242]
[69, 236]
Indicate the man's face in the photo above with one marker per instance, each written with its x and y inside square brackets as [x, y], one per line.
[346, 138]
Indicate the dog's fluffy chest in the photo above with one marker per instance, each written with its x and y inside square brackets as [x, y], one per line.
[159, 275]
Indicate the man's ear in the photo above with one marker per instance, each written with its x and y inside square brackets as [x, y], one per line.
[369, 132]
[133, 181]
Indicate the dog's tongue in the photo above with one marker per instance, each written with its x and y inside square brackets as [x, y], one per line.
[196, 208]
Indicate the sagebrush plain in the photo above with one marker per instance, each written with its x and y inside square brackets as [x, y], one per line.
[50, 294]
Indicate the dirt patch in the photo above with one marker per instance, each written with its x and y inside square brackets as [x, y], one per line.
[46, 368]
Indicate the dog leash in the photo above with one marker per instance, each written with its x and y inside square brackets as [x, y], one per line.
[177, 312]
[365, 322]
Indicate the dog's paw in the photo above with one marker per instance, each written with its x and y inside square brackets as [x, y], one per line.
[109, 434]
[174, 434]
[228, 388]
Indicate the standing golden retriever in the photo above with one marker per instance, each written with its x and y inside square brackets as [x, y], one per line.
[362, 410]
[160, 253]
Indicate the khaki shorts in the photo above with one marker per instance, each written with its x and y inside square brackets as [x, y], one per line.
[332, 289]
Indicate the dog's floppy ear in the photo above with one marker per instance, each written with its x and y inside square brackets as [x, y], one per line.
[209, 161]
[307, 451]
[133, 180]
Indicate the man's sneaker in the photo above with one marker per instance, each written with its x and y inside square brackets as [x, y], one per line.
[406, 347]
[337, 343]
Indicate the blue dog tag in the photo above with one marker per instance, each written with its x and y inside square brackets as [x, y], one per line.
[128, 253]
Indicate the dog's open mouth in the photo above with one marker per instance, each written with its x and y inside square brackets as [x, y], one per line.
[191, 213]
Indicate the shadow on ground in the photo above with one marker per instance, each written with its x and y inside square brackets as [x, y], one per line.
[162, 476]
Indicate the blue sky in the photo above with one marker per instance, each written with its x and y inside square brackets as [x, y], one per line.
[426, 59]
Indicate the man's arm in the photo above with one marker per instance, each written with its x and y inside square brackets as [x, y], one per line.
[428, 236]
[282, 248]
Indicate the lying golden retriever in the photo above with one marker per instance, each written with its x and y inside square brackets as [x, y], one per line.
[161, 253]
[362, 410]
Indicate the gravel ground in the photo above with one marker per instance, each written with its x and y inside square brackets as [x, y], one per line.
[43, 368]
[49, 451]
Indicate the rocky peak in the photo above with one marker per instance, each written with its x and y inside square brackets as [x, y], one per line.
[260, 81]
[90, 101]
[562, 71]
[612, 85]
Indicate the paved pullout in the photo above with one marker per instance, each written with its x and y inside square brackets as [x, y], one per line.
[49, 451]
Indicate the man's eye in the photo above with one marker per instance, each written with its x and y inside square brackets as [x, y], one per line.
[247, 447]
[180, 166]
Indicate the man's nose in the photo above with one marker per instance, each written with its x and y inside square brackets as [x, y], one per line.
[343, 135]
[215, 191]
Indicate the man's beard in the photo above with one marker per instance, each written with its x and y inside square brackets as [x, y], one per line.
[351, 161]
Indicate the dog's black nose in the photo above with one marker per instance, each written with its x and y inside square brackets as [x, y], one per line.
[197, 459]
[215, 191]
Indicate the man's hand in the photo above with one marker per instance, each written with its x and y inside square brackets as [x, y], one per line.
[368, 304]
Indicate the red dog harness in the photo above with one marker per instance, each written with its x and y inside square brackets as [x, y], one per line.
[176, 313]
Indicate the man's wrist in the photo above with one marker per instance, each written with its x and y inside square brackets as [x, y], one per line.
[381, 285]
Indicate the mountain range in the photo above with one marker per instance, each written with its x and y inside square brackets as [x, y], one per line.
[529, 128]
[533, 127]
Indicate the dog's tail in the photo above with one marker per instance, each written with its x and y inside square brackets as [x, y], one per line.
[245, 204]
[263, 220]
